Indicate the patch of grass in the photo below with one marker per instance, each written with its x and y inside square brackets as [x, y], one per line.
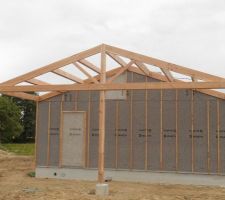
[19, 149]
[31, 174]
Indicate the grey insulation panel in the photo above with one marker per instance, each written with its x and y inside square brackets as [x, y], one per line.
[169, 130]
[184, 131]
[82, 100]
[69, 101]
[42, 134]
[94, 130]
[54, 133]
[222, 136]
[123, 135]
[154, 118]
[110, 126]
[138, 123]
[213, 135]
[200, 132]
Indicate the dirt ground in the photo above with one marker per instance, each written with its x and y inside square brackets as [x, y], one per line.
[16, 185]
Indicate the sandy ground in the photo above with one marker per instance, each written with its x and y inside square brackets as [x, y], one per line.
[16, 185]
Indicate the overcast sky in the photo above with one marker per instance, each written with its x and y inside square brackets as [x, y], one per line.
[34, 33]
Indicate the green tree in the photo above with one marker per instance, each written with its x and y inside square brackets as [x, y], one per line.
[28, 113]
[10, 122]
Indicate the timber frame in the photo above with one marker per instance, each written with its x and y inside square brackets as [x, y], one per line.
[138, 63]
[103, 81]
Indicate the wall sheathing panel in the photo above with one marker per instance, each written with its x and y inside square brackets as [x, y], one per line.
[128, 145]
[184, 131]
[123, 135]
[138, 125]
[110, 134]
[222, 136]
[169, 130]
[154, 130]
[54, 133]
[70, 101]
[94, 130]
[213, 135]
[200, 132]
[42, 135]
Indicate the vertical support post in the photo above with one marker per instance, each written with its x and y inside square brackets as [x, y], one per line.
[101, 144]
[192, 131]
[88, 129]
[131, 126]
[218, 136]
[61, 131]
[208, 131]
[146, 127]
[161, 129]
[177, 147]
[117, 127]
[36, 133]
[49, 124]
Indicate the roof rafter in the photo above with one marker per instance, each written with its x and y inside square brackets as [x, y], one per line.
[162, 64]
[67, 75]
[85, 72]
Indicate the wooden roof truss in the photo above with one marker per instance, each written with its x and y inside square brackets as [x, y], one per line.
[136, 63]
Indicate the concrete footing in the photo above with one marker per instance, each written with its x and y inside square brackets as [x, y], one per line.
[102, 189]
[136, 176]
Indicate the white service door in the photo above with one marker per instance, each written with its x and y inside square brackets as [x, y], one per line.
[73, 139]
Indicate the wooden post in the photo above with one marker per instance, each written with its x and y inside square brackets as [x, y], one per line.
[49, 125]
[218, 137]
[36, 133]
[101, 143]
[177, 141]
[161, 129]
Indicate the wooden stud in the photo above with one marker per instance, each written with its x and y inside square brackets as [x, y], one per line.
[161, 130]
[218, 138]
[131, 126]
[146, 127]
[208, 137]
[192, 132]
[117, 127]
[36, 134]
[177, 131]
[88, 133]
[49, 126]
[61, 132]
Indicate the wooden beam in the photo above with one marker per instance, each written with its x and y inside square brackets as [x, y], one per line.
[85, 72]
[143, 68]
[53, 66]
[52, 94]
[90, 65]
[22, 95]
[163, 78]
[123, 69]
[168, 74]
[117, 59]
[162, 64]
[101, 143]
[115, 86]
[35, 81]
[67, 75]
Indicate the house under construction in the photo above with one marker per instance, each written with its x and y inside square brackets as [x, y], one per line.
[124, 111]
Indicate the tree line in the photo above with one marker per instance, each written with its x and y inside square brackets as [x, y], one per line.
[17, 120]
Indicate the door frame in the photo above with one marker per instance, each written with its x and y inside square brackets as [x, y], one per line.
[84, 137]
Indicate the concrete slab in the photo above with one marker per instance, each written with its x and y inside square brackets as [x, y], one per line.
[132, 176]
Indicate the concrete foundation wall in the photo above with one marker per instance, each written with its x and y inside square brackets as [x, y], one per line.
[157, 130]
